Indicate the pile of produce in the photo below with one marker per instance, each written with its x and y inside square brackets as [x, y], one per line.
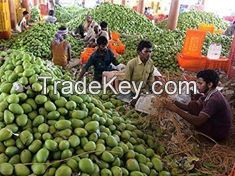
[59, 134]
[119, 18]
[225, 41]
[34, 14]
[37, 40]
[193, 19]
[65, 14]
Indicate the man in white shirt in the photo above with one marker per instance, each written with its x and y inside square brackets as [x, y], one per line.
[23, 24]
[97, 32]
[86, 30]
[51, 18]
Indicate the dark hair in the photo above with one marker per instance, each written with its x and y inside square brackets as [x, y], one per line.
[25, 13]
[51, 12]
[209, 76]
[102, 40]
[103, 24]
[62, 28]
[144, 44]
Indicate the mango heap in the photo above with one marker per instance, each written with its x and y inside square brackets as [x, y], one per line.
[193, 19]
[65, 14]
[134, 27]
[118, 17]
[58, 134]
[37, 40]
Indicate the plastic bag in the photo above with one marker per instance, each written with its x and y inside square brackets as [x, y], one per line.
[18, 87]
[214, 51]
[183, 97]
[156, 72]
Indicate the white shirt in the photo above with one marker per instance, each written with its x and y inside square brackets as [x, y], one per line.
[50, 19]
[20, 26]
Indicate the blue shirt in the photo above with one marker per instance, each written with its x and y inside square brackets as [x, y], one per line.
[101, 62]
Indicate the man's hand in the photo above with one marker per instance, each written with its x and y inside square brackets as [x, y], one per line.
[170, 106]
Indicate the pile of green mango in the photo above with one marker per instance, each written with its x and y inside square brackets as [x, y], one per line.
[166, 45]
[34, 14]
[119, 18]
[37, 40]
[193, 19]
[53, 133]
[65, 14]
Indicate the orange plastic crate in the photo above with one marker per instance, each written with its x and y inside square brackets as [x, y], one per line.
[85, 55]
[117, 46]
[191, 63]
[221, 64]
[120, 49]
[115, 35]
[193, 43]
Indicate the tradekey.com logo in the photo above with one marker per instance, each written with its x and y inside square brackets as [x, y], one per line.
[124, 87]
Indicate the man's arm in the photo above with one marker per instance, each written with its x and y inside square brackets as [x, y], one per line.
[195, 120]
[113, 58]
[128, 72]
[86, 67]
[150, 78]
[51, 51]
[182, 106]
[83, 71]
[69, 52]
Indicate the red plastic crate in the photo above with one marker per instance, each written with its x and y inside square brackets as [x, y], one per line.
[191, 63]
[221, 64]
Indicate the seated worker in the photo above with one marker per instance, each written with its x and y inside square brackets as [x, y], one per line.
[104, 27]
[51, 18]
[87, 27]
[23, 25]
[60, 48]
[230, 30]
[101, 59]
[211, 113]
[141, 68]
[97, 33]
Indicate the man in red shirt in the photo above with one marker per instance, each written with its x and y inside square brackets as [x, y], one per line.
[210, 114]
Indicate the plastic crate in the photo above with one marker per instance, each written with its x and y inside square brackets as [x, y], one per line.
[117, 46]
[207, 27]
[221, 64]
[191, 63]
[86, 54]
[193, 43]
[115, 35]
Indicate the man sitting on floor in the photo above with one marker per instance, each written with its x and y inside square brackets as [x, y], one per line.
[210, 114]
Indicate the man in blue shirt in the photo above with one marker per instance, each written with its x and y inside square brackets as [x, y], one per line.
[101, 59]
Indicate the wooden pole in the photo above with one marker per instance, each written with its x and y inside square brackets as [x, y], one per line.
[203, 2]
[123, 2]
[173, 15]
[25, 4]
[13, 14]
[141, 6]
